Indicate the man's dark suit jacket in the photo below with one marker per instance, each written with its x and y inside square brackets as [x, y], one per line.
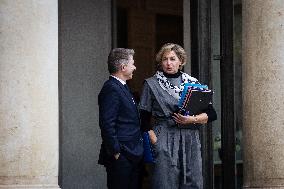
[119, 123]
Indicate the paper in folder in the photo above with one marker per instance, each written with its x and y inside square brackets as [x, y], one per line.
[195, 98]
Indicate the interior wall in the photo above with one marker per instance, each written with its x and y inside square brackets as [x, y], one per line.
[187, 33]
[149, 24]
[84, 43]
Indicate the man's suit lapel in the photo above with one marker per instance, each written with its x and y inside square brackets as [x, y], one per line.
[128, 94]
[125, 91]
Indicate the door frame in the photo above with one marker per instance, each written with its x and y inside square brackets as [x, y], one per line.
[200, 18]
[228, 125]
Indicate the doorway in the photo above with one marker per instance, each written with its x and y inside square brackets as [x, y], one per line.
[214, 38]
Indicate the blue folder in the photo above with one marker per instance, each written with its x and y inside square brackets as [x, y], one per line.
[148, 150]
[194, 99]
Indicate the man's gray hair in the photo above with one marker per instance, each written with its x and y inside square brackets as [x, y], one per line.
[118, 57]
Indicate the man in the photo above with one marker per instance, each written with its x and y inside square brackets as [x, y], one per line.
[122, 147]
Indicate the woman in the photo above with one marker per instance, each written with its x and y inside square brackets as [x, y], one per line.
[176, 149]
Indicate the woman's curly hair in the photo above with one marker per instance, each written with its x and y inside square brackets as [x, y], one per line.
[180, 52]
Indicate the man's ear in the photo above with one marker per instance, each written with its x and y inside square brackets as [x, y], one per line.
[122, 67]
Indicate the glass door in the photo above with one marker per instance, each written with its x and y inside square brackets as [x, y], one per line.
[226, 28]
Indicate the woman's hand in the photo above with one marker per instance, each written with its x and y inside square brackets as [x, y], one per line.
[183, 120]
[152, 136]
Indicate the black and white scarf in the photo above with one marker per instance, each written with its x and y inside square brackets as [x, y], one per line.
[173, 90]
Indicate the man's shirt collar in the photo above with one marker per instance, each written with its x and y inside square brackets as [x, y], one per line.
[120, 80]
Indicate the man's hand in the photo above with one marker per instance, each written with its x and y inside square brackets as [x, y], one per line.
[116, 156]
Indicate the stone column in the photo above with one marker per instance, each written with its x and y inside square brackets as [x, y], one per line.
[263, 89]
[29, 94]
